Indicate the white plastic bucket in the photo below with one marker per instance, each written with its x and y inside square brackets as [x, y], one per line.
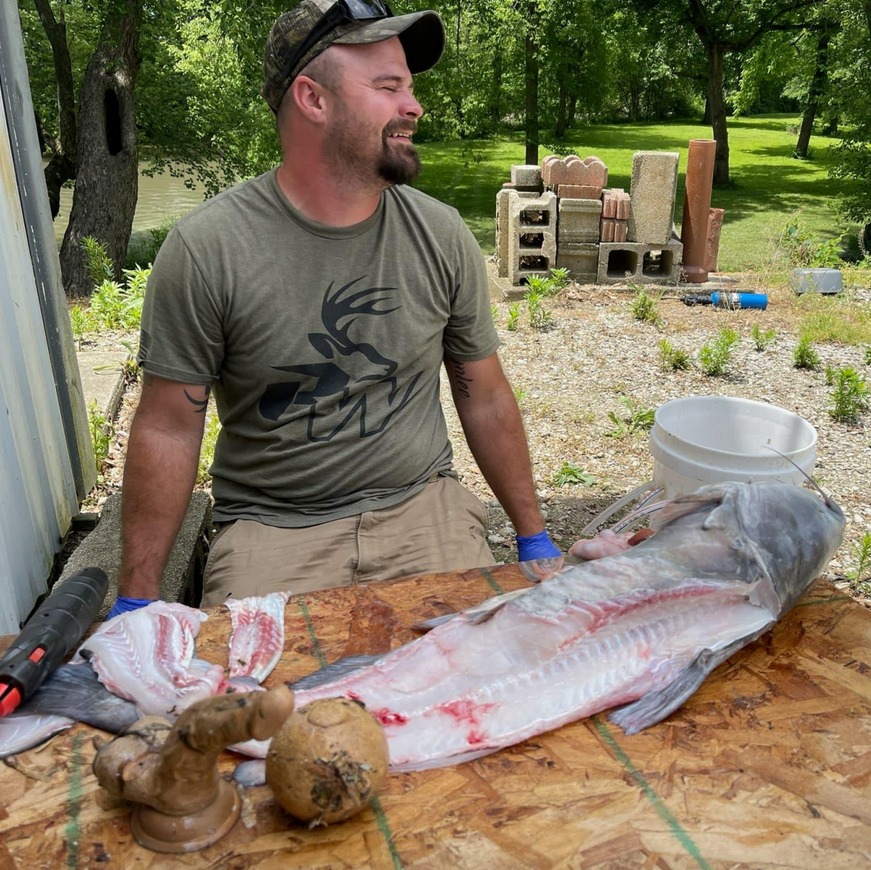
[711, 439]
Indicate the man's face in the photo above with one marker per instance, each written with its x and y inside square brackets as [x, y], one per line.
[374, 115]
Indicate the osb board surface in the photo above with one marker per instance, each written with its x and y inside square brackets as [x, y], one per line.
[768, 765]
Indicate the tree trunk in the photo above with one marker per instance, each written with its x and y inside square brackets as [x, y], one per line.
[815, 91]
[107, 182]
[717, 103]
[531, 65]
[496, 87]
[561, 112]
[62, 165]
[572, 112]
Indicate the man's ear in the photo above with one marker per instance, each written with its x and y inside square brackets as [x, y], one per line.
[309, 97]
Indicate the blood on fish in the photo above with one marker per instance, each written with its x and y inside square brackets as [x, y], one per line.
[464, 710]
[476, 738]
[388, 717]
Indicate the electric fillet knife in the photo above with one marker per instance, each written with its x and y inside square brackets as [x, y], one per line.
[49, 635]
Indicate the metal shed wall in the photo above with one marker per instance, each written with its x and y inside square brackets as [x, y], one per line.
[44, 440]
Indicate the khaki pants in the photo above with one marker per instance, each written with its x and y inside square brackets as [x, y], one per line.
[442, 528]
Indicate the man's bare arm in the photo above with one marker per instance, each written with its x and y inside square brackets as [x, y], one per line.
[159, 475]
[494, 430]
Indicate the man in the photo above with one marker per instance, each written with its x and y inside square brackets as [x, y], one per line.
[320, 301]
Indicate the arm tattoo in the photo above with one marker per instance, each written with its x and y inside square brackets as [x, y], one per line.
[200, 405]
[462, 380]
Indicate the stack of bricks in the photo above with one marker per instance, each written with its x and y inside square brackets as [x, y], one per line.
[561, 214]
[578, 186]
[616, 208]
[649, 252]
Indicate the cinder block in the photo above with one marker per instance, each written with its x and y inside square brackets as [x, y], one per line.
[620, 263]
[589, 172]
[526, 177]
[578, 221]
[652, 190]
[531, 235]
[582, 261]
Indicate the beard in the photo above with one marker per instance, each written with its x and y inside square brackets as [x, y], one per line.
[396, 161]
[400, 162]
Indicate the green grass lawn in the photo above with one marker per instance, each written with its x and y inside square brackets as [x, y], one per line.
[768, 185]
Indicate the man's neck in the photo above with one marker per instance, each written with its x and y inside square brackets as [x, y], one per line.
[328, 201]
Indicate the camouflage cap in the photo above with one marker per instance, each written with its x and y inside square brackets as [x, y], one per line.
[422, 35]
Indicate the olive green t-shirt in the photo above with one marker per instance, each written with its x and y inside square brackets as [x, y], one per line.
[323, 346]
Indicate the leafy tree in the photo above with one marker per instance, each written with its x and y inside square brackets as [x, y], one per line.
[852, 79]
[725, 28]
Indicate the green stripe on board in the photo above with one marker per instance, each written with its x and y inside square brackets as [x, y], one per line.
[73, 830]
[312, 634]
[491, 580]
[384, 827]
[380, 817]
[664, 812]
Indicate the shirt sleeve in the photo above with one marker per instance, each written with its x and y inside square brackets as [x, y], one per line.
[181, 335]
[470, 333]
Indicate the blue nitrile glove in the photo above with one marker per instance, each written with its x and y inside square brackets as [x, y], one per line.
[538, 546]
[125, 605]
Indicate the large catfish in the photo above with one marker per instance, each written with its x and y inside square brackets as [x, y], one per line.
[640, 630]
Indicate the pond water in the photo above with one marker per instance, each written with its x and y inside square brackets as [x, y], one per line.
[161, 198]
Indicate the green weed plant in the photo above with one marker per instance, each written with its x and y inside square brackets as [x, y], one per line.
[860, 576]
[849, 396]
[715, 355]
[572, 475]
[637, 419]
[539, 317]
[102, 433]
[673, 358]
[802, 249]
[645, 307]
[762, 338]
[805, 356]
[513, 317]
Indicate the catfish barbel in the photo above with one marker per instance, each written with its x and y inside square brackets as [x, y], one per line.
[639, 631]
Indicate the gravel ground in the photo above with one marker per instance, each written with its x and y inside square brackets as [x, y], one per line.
[596, 358]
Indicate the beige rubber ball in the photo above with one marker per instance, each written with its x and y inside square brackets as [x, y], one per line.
[328, 761]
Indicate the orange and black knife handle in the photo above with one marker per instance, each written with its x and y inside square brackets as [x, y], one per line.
[56, 626]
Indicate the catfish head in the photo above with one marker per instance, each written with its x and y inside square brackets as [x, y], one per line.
[786, 534]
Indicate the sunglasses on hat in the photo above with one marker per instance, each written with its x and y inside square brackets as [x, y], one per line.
[341, 12]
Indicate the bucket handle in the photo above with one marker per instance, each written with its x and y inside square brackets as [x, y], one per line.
[620, 503]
